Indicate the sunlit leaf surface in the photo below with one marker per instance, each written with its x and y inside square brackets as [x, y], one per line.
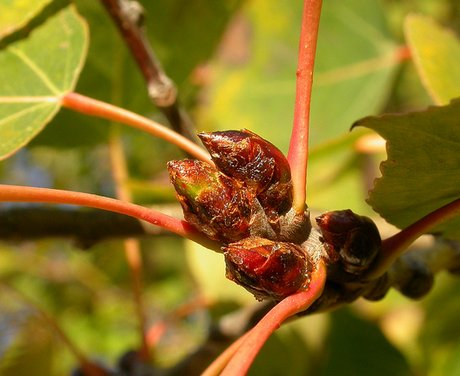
[422, 169]
[14, 14]
[35, 72]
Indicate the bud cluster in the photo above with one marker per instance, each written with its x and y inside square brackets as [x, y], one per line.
[246, 204]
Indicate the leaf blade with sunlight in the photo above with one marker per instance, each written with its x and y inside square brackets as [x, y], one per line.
[421, 171]
[14, 17]
[37, 71]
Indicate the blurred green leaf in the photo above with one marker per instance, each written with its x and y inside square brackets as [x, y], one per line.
[186, 33]
[208, 268]
[356, 63]
[295, 352]
[254, 84]
[438, 338]
[338, 176]
[30, 352]
[422, 168]
[451, 367]
[35, 73]
[436, 54]
[358, 347]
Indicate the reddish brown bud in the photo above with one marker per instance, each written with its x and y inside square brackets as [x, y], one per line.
[215, 204]
[355, 238]
[249, 158]
[266, 268]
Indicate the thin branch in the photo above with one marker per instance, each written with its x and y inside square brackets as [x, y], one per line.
[128, 17]
[87, 227]
[131, 245]
[288, 307]
[395, 245]
[93, 107]
[298, 148]
[14, 193]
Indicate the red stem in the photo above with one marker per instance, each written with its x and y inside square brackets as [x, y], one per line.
[93, 107]
[14, 193]
[298, 148]
[131, 246]
[256, 338]
[218, 364]
[395, 245]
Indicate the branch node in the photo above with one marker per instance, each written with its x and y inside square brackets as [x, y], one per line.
[163, 93]
[132, 11]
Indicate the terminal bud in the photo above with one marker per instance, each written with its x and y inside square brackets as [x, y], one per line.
[262, 167]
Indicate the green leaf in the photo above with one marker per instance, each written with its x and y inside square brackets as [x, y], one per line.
[35, 73]
[358, 347]
[14, 14]
[337, 176]
[202, 21]
[296, 353]
[356, 64]
[422, 169]
[33, 349]
[208, 269]
[439, 334]
[255, 86]
[436, 54]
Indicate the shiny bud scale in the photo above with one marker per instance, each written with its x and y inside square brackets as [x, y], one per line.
[353, 238]
[257, 163]
[215, 204]
[266, 268]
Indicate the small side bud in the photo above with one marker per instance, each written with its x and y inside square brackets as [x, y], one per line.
[249, 158]
[215, 204]
[413, 278]
[267, 269]
[354, 238]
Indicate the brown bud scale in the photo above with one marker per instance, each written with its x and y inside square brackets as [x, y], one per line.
[351, 238]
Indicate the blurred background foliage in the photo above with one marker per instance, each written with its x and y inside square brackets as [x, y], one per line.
[234, 62]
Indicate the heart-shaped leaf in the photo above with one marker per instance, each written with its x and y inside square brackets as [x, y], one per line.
[422, 170]
[436, 54]
[35, 72]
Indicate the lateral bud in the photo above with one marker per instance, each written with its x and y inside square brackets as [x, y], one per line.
[214, 203]
[352, 238]
[266, 268]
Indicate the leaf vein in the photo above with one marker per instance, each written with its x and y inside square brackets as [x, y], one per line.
[35, 69]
